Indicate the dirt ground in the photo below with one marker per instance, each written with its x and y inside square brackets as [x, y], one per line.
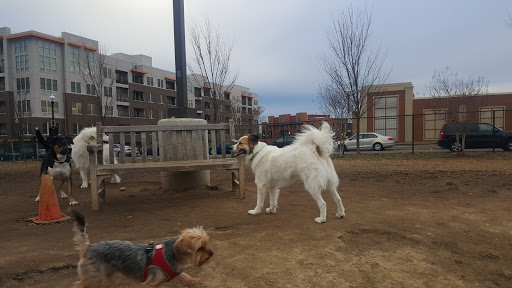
[411, 221]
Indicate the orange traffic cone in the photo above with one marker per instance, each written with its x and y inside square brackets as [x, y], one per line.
[49, 209]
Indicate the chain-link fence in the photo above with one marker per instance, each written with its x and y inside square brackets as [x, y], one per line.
[18, 148]
[412, 133]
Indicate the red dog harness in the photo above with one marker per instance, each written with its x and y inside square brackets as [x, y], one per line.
[158, 261]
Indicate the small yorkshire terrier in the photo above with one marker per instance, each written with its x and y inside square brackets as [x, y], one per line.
[150, 264]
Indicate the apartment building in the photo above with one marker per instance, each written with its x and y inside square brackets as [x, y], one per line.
[118, 89]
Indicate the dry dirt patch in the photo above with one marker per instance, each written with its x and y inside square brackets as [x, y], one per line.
[412, 221]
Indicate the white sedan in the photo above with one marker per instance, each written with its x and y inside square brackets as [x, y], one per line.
[368, 141]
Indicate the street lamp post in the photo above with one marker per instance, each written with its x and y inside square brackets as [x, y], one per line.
[53, 130]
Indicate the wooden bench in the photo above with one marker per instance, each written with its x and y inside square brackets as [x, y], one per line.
[202, 136]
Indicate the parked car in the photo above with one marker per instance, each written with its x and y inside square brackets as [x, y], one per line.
[367, 141]
[150, 150]
[219, 149]
[283, 141]
[41, 153]
[127, 150]
[478, 135]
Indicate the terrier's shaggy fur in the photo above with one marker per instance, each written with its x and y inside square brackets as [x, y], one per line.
[99, 261]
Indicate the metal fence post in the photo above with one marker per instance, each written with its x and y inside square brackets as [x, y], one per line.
[413, 133]
[493, 124]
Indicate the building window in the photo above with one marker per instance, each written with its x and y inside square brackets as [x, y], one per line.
[107, 72]
[76, 87]
[3, 129]
[91, 89]
[161, 99]
[139, 79]
[46, 107]
[22, 63]
[138, 96]
[48, 86]
[226, 95]
[171, 100]
[47, 48]
[206, 105]
[47, 125]
[170, 85]
[76, 108]
[207, 92]
[151, 98]
[123, 111]
[24, 107]
[21, 46]
[149, 81]
[197, 92]
[386, 122]
[433, 121]
[2, 107]
[138, 113]
[23, 86]
[107, 91]
[151, 114]
[91, 109]
[486, 115]
[47, 64]
[77, 127]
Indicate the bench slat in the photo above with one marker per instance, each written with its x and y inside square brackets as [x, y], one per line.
[185, 165]
[156, 128]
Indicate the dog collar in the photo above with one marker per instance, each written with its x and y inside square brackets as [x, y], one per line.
[253, 155]
[158, 261]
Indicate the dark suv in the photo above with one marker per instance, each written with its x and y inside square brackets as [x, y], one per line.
[283, 141]
[478, 135]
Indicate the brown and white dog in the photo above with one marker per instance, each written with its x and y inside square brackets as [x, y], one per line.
[307, 159]
[57, 163]
[151, 264]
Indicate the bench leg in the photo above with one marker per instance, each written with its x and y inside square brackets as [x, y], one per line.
[235, 183]
[94, 181]
[241, 179]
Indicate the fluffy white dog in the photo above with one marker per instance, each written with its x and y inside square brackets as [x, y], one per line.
[307, 159]
[80, 155]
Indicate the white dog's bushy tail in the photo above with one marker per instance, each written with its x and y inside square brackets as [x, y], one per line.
[322, 138]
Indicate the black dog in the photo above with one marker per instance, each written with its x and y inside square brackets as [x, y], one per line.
[57, 162]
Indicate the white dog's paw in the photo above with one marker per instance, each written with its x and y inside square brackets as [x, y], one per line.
[254, 212]
[37, 199]
[319, 220]
[84, 185]
[73, 203]
[340, 215]
[271, 210]
[115, 179]
[63, 195]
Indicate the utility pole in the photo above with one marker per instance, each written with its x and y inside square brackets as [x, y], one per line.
[182, 110]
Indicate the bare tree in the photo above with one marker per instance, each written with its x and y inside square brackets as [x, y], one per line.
[456, 97]
[99, 78]
[210, 64]
[332, 104]
[352, 69]
[236, 112]
[23, 107]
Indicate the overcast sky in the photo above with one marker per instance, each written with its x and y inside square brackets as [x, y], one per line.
[278, 42]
